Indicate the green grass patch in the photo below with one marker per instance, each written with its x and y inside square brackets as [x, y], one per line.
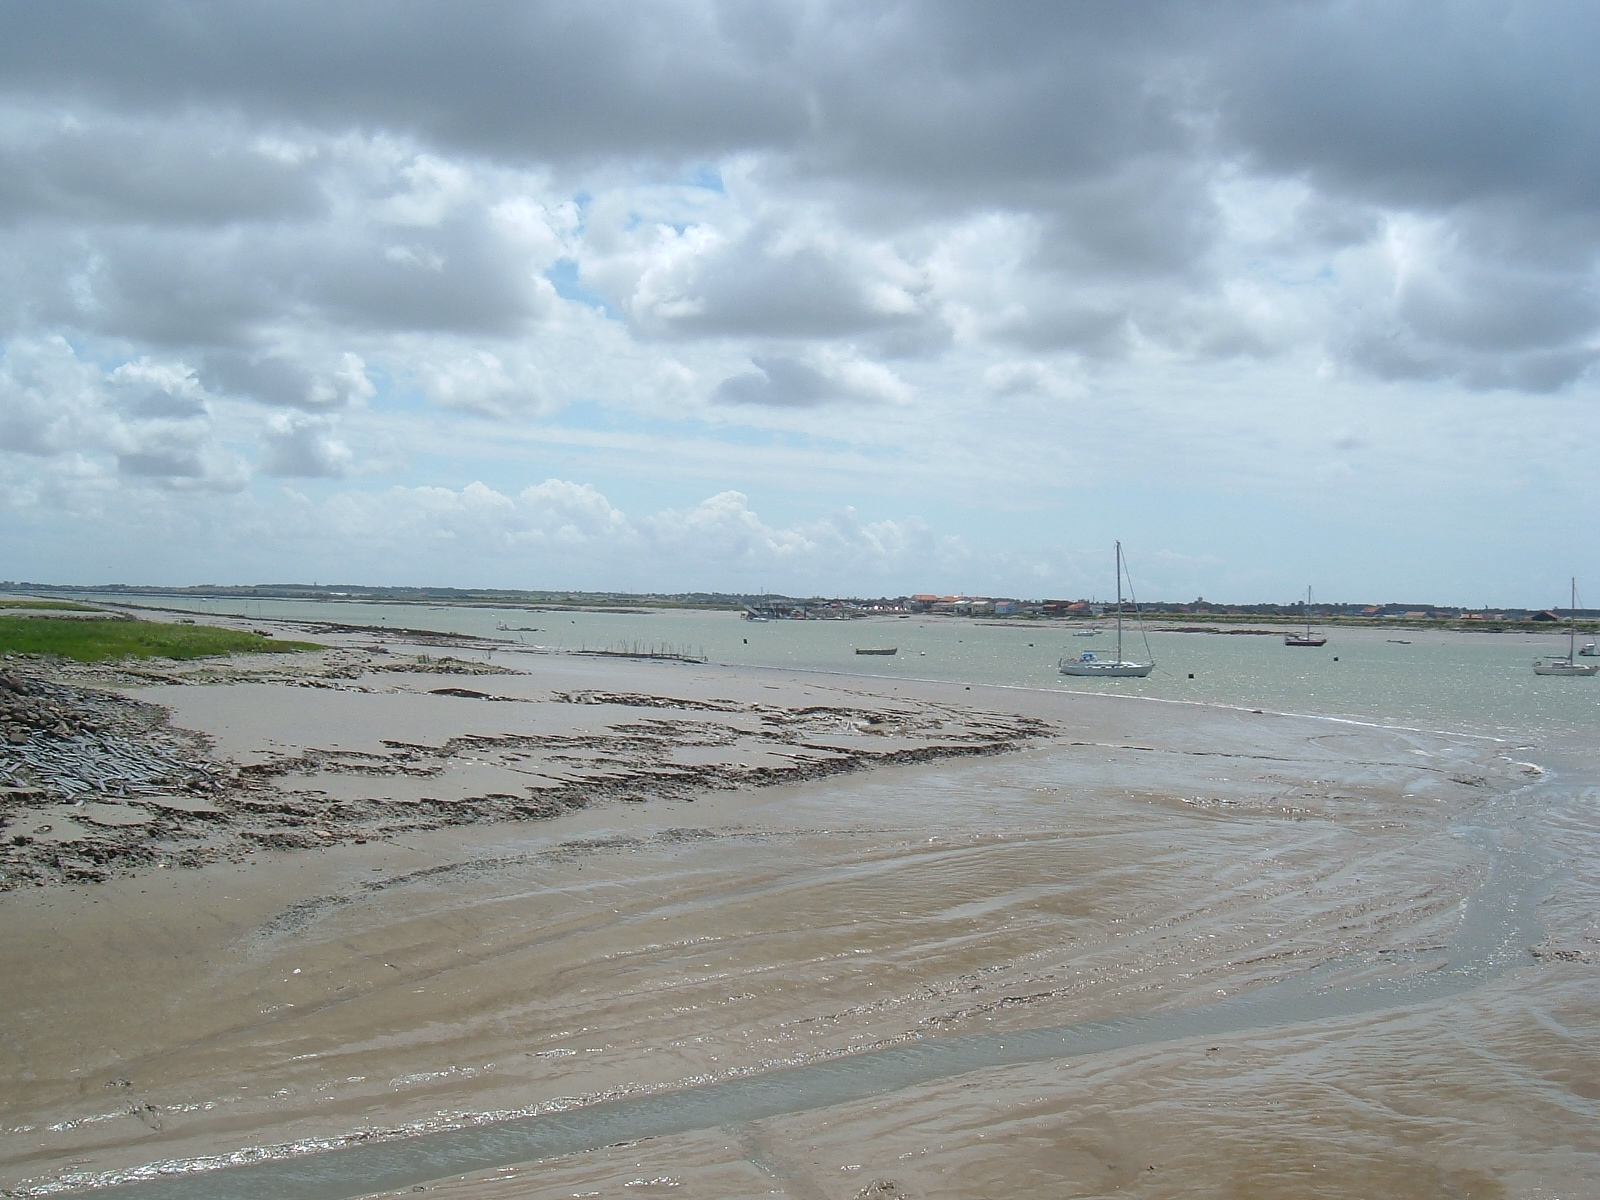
[114, 638]
[51, 605]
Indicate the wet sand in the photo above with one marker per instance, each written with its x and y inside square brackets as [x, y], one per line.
[729, 872]
[125, 768]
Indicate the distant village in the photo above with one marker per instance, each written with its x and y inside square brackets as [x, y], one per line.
[785, 608]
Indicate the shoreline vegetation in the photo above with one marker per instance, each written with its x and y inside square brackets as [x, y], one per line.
[114, 637]
[24, 604]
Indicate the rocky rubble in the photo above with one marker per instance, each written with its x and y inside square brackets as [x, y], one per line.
[27, 709]
[92, 781]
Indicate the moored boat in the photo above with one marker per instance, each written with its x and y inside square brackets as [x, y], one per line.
[1310, 637]
[879, 650]
[1566, 664]
[1090, 665]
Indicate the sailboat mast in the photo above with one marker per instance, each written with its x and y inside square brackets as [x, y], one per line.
[1572, 620]
[1119, 601]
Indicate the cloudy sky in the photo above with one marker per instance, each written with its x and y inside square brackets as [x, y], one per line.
[860, 297]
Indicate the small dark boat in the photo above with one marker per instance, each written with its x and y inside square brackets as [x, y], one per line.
[1304, 639]
[1309, 637]
[886, 650]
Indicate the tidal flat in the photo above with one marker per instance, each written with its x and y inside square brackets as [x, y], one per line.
[406, 894]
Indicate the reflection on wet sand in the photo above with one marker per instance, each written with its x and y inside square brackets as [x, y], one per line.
[1142, 861]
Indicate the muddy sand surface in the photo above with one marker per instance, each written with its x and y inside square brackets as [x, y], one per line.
[108, 769]
[423, 896]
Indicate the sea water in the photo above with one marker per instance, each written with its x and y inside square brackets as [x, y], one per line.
[1456, 682]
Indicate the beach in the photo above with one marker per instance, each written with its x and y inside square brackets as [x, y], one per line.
[404, 889]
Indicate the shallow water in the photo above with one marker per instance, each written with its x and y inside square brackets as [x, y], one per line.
[1464, 682]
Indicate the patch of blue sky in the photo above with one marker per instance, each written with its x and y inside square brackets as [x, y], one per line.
[391, 395]
[563, 276]
[106, 354]
[708, 177]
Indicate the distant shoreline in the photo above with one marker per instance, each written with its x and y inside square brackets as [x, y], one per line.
[1158, 618]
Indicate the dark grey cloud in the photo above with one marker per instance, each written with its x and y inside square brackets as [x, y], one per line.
[527, 81]
[141, 150]
[266, 310]
[163, 286]
[147, 172]
[453, 277]
[984, 103]
[778, 382]
[785, 381]
[930, 90]
[182, 459]
[758, 285]
[1485, 327]
[271, 378]
[1419, 104]
[293, 381]
[1150, 218]
[1426, 103]
[1062, 323]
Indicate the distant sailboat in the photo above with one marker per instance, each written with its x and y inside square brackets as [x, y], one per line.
[1567, 664]
[1090, 665]
[1308, 638]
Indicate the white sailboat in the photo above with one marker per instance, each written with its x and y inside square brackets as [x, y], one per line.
[1567, 664]
[1309, 637]
[1093, 666]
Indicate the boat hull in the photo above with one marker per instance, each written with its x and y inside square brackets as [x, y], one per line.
[1563, 667]
[1291, 640]
[1107, 670]
[890, 650]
